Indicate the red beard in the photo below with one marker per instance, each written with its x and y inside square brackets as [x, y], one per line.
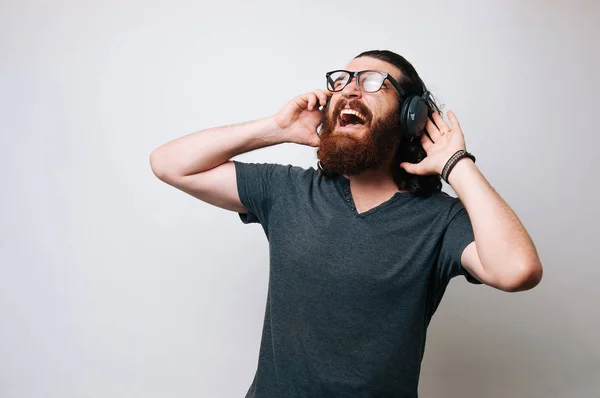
[349, 154]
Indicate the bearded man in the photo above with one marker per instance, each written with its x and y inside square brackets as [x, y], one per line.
[362, 247]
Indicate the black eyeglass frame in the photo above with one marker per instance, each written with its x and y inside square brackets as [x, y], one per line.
[356, 76]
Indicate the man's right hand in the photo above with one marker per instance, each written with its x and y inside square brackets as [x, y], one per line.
[300, 117]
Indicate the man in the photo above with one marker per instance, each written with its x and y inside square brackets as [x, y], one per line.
[361, 249]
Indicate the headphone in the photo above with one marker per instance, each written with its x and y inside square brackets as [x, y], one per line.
[413, 113]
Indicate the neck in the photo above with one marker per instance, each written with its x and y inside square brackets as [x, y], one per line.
[371, 188]
[374, 182]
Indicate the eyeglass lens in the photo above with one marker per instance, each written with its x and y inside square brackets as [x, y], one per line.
[368, 81]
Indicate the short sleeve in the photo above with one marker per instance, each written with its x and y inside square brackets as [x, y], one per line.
[259, 185]
[458, 235]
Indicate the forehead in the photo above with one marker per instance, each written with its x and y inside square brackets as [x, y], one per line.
[364, 63]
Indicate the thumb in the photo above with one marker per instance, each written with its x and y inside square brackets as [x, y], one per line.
[410, 168]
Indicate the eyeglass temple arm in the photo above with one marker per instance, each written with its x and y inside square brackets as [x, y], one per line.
[396, 85]
[329, 80]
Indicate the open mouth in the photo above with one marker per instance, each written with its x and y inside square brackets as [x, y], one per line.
[350, 117]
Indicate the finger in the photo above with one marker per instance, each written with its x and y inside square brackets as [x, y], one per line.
[312, 100]
[434, 132]
[410, 168]
[453, 121]
[301, 101]
[321, 97]
[440, 123]
[426, 142]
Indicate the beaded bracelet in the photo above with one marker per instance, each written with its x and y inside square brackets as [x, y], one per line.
[453, 161]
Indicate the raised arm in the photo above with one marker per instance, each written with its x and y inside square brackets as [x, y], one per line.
[503, 254]
[199, 163]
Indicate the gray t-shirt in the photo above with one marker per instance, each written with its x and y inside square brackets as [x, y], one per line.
[350, 295]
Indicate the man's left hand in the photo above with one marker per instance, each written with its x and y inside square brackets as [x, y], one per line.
[443, 141]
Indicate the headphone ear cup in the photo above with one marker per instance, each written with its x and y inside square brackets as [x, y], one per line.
[404, 115]
[413, 116]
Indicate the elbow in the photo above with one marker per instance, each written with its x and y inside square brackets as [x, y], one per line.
[527, 277]
[158, 165]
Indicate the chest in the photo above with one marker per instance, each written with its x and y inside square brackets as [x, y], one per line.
[348, 255]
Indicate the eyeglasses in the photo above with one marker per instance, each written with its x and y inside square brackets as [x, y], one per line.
[368, 81]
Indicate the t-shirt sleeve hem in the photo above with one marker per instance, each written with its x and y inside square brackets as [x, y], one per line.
[470, 278]
[241, 179]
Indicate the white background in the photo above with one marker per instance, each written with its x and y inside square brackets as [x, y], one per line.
[113, 284]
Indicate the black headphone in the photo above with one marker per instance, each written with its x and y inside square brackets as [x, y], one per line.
[413, 113]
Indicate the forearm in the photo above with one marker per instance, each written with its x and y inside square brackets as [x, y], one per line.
[504, 247]
[203, 150]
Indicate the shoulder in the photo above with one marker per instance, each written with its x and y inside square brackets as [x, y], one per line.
[276, 171]
[441, 200]
[442, 204]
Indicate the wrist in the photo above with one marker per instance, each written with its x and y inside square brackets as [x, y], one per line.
[453, 161]
[273, 132]
[461, 171]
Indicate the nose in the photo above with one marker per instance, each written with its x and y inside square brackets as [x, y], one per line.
[351, 90]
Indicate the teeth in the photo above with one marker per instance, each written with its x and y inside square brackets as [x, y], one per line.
[353, 112]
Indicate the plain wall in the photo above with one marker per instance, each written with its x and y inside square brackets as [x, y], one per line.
[113, 284]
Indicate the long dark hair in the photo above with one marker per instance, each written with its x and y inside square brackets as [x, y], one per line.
[409, 150]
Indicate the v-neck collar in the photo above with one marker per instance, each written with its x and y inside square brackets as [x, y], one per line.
[344, 184]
